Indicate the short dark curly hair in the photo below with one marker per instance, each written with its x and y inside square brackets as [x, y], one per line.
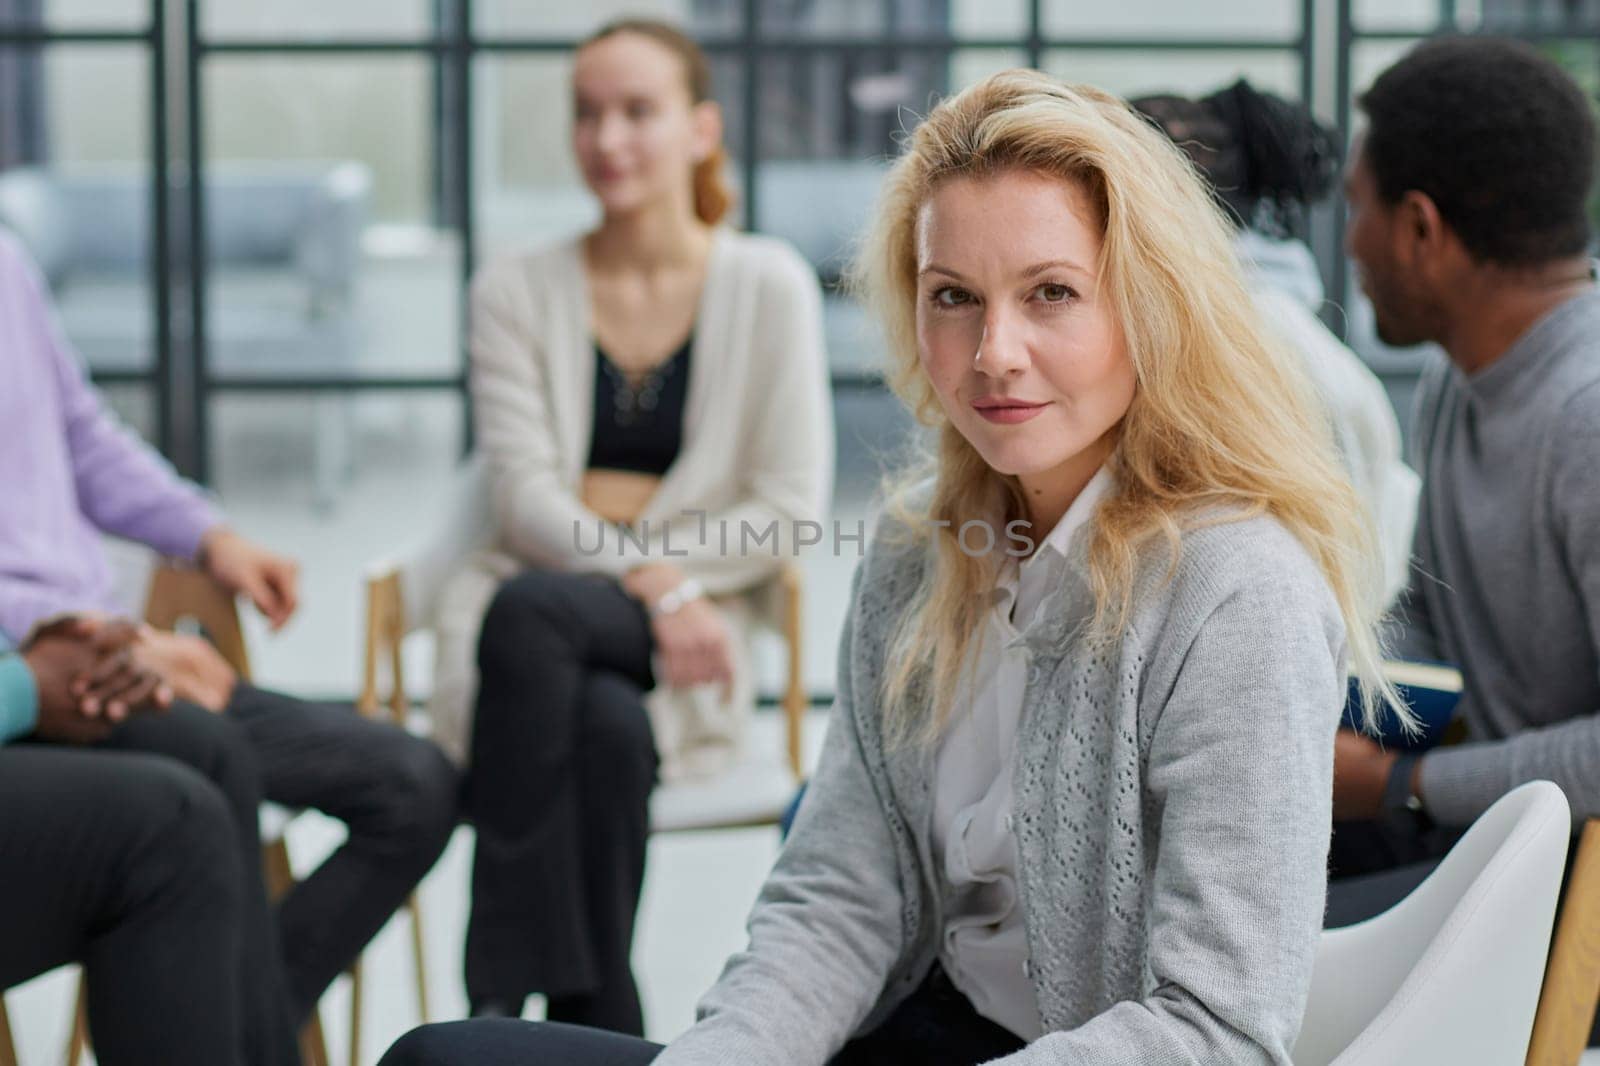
[1497, 135]
[1266, 158]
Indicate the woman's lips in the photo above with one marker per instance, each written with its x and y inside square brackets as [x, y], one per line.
[1008, 413]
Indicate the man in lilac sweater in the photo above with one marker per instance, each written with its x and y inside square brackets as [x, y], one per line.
[70, 474]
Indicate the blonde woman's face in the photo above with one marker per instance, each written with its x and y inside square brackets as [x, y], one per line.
[1013, 328]
[635, 131]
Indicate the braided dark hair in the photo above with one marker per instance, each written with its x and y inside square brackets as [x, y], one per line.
[1266, 158]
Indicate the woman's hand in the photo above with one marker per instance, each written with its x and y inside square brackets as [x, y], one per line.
[271, 581]
[694, 646]
[189, 665]
[692, 643]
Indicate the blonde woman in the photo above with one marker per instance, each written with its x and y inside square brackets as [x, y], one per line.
[642, 395]
[1073, 806]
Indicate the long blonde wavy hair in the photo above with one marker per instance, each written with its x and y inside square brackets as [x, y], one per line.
[1223, 421]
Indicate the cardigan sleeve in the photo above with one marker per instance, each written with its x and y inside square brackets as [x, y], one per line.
[537, 515]
[826, 929]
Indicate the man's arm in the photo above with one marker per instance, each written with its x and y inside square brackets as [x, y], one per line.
[74, 682]
[1459, 783]
[122, 485]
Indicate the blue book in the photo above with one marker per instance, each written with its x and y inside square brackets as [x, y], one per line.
[1431, 690]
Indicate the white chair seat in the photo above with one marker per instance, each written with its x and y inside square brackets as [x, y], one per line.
[1450, 975]
[755, 791]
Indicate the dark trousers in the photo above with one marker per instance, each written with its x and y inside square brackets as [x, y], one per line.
[126, 863]
[1372, 865]
[936, 1026]
[395, 793]
[563, 763]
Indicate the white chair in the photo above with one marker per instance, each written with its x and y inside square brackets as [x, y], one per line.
[1451, 974]
[401, 598]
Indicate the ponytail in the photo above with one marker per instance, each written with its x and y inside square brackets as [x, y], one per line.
[712, 196]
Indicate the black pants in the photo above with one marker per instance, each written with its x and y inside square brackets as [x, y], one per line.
[127, 864]
[395, 793]
[936, 1026]
[563, 763]
[1372, 865]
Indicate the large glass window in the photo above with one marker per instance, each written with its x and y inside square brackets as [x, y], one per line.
[357, 160]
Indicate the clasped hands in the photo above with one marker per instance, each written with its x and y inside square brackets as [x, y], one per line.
[92, 671]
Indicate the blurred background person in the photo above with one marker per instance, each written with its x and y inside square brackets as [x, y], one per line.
[1469, 200]
[74, 475]
[1267, 160]
[662, 373]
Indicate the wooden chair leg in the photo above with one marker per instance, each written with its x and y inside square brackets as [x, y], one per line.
[419, 958]
[355, 1013]
[1572, 979]
[8, 1046]
[313, 1042]
[78, 1042]
[276, 869]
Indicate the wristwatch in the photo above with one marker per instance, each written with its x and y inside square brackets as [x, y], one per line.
[673, 599]
[1398, 795]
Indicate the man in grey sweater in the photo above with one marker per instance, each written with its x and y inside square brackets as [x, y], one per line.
[1467, 219]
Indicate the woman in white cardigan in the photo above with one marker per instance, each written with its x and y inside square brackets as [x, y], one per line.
[652, 401]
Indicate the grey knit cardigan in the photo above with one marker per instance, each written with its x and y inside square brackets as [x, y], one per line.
[1172, 805]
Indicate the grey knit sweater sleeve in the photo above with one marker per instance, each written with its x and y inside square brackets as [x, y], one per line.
[826, 928]
[1460, 782]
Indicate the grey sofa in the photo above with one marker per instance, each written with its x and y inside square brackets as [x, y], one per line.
[284, 251]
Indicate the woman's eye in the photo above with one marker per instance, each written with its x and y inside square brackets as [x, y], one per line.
[637, 111]
[1055, 294]
[948, 297]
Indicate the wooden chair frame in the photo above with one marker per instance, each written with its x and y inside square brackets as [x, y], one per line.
[1571, 990]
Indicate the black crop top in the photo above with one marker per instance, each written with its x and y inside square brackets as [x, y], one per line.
[639, 427]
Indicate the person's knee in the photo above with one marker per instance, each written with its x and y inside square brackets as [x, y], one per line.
[419, 1047]
[191, 843]
[228, 760]
[527, 612]
[419, 798]
[615, 731]
[440, 1044]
